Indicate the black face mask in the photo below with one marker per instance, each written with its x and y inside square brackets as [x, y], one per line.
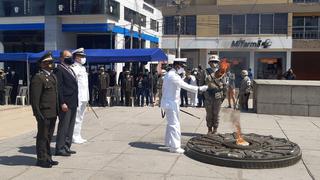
[68, 60]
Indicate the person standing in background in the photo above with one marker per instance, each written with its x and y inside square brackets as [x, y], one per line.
[83, 92]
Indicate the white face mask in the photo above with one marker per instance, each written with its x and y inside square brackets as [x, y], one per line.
[180, 70]
[83, 60]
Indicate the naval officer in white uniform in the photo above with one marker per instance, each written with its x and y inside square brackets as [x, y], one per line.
[172, 84]
[83, 95]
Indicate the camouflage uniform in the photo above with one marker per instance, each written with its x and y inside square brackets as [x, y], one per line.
[244, 93]
[213, 98]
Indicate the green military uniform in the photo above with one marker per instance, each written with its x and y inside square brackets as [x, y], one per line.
[103, 84]
[44, 101]
[213, 98]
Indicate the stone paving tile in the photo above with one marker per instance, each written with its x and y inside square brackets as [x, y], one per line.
[109, 173]
[143, 163]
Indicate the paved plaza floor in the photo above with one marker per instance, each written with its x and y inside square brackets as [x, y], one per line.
[125, 143]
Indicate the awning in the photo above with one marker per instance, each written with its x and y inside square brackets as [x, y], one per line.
[115, 55]
[20, 57]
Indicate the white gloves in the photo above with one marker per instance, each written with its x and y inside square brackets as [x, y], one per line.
[203, 88]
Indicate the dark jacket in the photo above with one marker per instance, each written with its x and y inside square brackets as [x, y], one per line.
[44, 95]
[67, 87]
[103, 81]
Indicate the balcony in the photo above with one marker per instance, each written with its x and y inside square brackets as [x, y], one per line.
[12, 8]
[306, 34]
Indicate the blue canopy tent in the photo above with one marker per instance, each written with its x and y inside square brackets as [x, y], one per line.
[114, 55]
[93, 56]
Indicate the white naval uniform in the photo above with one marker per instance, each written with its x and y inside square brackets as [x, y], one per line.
[172, 84]
[83, 96]
[193, 96]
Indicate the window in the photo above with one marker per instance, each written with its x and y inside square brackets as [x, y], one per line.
[225, 24]
[238, 24]
[306, 27]
[252, 24]
[135, 16]
[305, 1]
[266, 26]
[188, 25]
[280, 23]
[12, 8]
[154, 25]
[311, 27]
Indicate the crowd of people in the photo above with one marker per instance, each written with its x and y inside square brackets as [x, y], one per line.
[64, 91]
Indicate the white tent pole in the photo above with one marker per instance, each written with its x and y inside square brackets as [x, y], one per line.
[28, 79]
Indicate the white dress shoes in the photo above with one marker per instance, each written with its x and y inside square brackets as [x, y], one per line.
[177, 150]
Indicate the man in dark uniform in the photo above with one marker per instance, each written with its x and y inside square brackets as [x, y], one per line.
[44, 101]
[68, 100]
[2, 87]
[103, 84]
[128, 84]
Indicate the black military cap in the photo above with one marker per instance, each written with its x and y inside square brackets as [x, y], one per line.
[79, 52]
[46, 57]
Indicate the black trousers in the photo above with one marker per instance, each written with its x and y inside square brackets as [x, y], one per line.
[65, 129]
[2, 97]
[102, 97]
[44, 137]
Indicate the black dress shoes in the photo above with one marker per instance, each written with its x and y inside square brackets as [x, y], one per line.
[62, 153]
[68, 150]
[44, 164]
[53, 163]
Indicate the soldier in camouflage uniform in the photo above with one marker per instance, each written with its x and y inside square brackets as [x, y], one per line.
[244, 91]
[215, 94]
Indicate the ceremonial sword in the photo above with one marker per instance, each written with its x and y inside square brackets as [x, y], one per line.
[163, 114]
[94, 112]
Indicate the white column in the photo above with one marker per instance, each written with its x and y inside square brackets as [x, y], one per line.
[288, 64]
[119, 44]
[251, 63]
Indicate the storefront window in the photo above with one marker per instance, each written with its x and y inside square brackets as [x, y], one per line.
[270, 65]
[239, 61]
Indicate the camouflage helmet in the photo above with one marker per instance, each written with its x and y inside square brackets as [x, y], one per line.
[214, 58]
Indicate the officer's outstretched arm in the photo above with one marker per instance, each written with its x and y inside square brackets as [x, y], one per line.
[179, 82]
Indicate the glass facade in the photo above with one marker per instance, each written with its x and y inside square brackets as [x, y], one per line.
[254, 24]
[306, 27]
[137, 18]
[9, 8]
[22, 41]
[188, 25]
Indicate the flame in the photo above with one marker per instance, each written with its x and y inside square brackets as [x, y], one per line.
[224, 66]
[235, 117]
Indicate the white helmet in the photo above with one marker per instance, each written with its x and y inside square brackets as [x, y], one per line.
[214, 58]
[244, 73]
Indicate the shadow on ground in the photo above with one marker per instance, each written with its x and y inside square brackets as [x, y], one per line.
[190, 134]
[148, 145]
[30, 150]
[17, 160]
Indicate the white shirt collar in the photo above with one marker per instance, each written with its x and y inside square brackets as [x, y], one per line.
[47, 72]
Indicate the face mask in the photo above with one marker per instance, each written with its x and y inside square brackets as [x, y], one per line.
[51, 66]
[180, 70]
[68, 60]
[83, 60]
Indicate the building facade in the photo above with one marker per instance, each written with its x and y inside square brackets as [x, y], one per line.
[268, 36]
[37, 25]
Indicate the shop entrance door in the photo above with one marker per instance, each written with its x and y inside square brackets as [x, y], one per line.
[270, 68]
